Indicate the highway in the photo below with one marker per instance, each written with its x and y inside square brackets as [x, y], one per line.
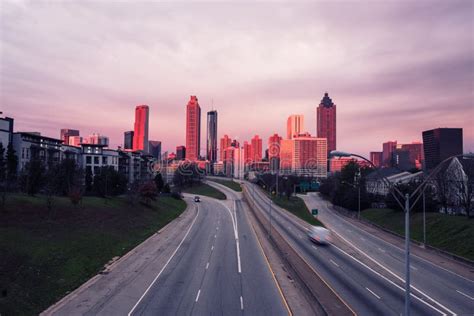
[446, 289]
[366, 287]
[213, 266]
[213, 273]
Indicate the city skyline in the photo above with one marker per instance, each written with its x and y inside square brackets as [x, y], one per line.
[377, 80]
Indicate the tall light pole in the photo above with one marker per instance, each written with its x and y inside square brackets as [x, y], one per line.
[406, 206]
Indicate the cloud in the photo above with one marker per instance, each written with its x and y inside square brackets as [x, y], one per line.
[386, 65]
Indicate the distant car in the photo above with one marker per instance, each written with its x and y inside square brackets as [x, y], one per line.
[319, 234]
[197, 199]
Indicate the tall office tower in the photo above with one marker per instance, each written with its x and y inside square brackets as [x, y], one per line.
[294, 126]
[211, 139]
[415, 153]
[193, 129]
[128, 140]
[388, 149]
[440, 144]
[274, 151]
[155, 149]
[180, 152]
[225, 142]
[256, 149]
[140, 135]
[326, 122]
[247, 148]
[66, 133]
[310, 156]
[376, 158]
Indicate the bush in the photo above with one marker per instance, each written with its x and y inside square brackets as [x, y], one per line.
[176, 195]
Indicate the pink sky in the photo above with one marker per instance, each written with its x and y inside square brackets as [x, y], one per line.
[393, 69]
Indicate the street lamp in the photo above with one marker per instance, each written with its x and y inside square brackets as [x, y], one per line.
[406, 206]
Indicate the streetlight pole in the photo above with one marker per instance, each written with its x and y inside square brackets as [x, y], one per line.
[406, 197]
[424, 220]
[407, 254]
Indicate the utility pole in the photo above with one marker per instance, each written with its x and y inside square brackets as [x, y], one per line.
[407, 254]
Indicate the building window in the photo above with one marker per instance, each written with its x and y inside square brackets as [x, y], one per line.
[96, 160]
[88, 160]
[96, 170]
[104, 160]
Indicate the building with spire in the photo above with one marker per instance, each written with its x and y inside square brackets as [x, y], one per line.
[211, 139]
[326, 122]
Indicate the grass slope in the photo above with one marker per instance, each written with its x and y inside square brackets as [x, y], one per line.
[450, 233]
[296, 206]
[42, 258]
[231, 184]
[205, 189]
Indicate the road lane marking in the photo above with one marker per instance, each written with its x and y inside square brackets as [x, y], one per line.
[166, 264]
[398, 248]
[212, 248]
[314, 247]
[334, 263]
[381, 250]
[207, 266]
[301, 237]
[412, 267]
[362, 238]
[239, 268]
[197, 296]
[241, 303]
[472, 298]
[373, 293]
[215, 236]
[394, 274]
[389, 281]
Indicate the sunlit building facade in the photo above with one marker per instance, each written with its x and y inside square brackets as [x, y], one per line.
[140, 135]
[256, 149]
[294, 126]
[193, 129]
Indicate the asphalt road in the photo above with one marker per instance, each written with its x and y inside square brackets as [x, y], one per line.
[446, 289]
[206, 262]
[215, 273]
[366, 287]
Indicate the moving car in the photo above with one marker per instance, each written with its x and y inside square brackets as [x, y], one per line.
[319, 234]
[197, 199]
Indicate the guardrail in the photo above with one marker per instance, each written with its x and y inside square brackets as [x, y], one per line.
[328, 301]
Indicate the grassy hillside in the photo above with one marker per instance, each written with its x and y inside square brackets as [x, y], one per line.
[296, 206]
[205, 189]
[231, 184]
[44, 255]
[450, 233]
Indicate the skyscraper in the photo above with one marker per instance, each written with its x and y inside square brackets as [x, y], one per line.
[155, 149]
[180, 152]
[387, 150]
[326, 122]
[274, 151]
[376, 158]
[225, 142]
[256, 149]
[193, 129]
[128, 140]
[440, 144]
[140, 135]
[96, 139]
[294, 126]
[211, 139]
[66, 133]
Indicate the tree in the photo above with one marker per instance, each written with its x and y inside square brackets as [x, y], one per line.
[33, 176]
[148, 192]
[159, 182]
[88, 179]
[2, 175]
[11, 166]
